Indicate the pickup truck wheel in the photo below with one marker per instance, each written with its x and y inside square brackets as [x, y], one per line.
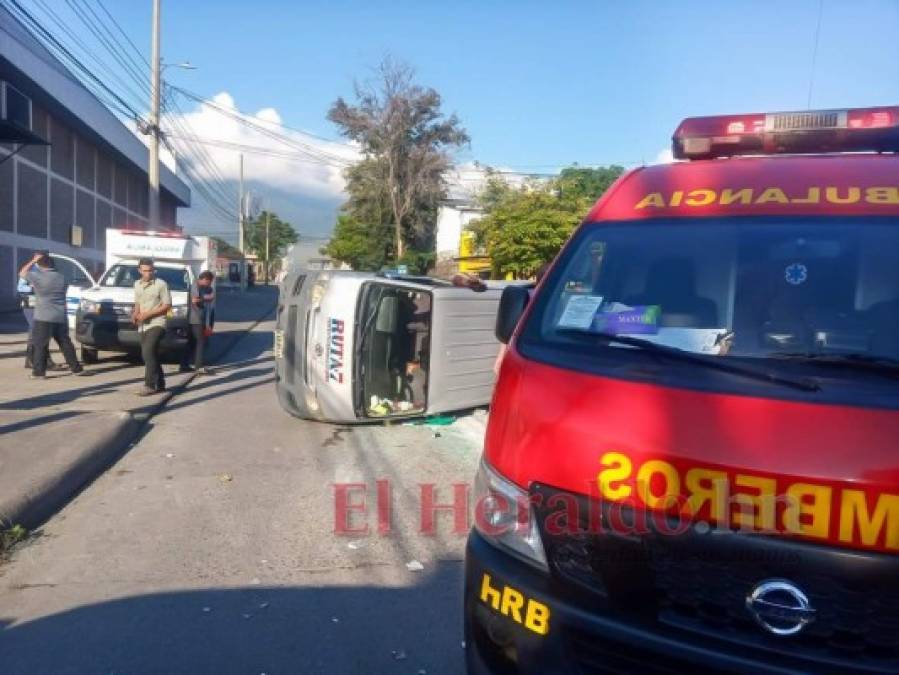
[89, 355]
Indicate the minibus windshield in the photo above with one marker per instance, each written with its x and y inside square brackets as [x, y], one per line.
[823, 291]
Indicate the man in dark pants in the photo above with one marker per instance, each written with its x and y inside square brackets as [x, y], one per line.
[49, 314]
[200, 319]
[152, 302]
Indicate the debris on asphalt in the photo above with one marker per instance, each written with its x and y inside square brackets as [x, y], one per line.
[169, 455]
[263, 605]
[226, 477]
[398, 655]
[440, 420]
[355, 545]
[414, 566]
[334, 619]
[206, 610]
[246, 616]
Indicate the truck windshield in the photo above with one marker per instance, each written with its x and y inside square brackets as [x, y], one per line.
[124, 276]
[772, 289]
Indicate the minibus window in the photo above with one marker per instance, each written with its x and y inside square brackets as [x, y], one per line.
[395, 343]
[740, 287]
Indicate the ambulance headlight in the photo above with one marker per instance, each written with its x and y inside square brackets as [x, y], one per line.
[505, 518]
[90, 307]
[179, 311]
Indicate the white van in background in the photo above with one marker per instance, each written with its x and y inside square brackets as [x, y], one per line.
[104, 315]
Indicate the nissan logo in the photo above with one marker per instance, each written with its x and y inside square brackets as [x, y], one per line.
[779, 607]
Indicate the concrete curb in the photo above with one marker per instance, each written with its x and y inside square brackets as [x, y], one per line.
[48, 495]
[44, 495]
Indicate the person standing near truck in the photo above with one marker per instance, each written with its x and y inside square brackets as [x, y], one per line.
[152, 302]
[200, 317]
[49, 319]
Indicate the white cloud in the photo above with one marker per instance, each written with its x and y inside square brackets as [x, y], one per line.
[664, 156]
[301, 163]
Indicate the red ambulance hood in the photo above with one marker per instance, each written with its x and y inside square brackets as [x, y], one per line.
[553, 426]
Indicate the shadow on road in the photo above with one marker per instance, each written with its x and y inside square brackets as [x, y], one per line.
[315, 629]
[252, 345]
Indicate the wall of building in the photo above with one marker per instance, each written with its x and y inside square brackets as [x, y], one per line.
[451, 220]
[46, 190]
[94, 174]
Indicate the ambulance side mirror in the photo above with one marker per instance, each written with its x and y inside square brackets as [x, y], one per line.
[512, 304]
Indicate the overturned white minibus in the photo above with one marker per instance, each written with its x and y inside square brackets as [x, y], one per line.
[357, 347]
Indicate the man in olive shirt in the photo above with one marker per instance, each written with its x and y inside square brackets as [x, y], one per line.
[152, 302]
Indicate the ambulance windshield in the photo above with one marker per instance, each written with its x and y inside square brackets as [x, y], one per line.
[750, 287]
[125, 275]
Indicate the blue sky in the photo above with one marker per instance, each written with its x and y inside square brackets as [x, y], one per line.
[538, 85]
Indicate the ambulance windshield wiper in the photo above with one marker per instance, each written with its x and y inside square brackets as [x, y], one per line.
[716, 362]
[879, 365]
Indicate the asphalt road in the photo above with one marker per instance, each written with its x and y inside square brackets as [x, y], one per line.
[210, 547]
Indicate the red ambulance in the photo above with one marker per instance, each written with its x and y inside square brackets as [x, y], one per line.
[692, 459]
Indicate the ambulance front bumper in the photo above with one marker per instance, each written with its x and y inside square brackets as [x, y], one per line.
[111, 333]
[580, 637]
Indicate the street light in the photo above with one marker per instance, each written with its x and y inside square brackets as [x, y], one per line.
[184, 65]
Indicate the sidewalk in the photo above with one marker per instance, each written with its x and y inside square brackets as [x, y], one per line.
[56, 435]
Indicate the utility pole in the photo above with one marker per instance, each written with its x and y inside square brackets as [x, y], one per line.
[240, 209]
[268, 217]
[240, 227]
[153, 168]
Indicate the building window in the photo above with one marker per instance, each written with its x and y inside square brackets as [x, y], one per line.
[85, 157]
[31, 214]
[62, 215]
[62, 150]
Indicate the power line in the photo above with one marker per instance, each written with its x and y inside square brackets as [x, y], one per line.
[86, 51]
[257, 150]
[44, 35]
[811, 77]
[209, 100]
[113, 47]
[242, 118]
[124, 34]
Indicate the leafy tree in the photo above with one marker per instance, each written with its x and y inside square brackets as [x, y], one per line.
[363, 246]
[280, 235]
[525, 231]
[585, 185]
[406, 140]
[524, 228]
[225, 249]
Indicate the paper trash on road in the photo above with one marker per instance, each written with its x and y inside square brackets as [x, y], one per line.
[414, 566]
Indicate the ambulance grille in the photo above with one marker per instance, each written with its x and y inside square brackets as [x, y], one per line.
[693, 587]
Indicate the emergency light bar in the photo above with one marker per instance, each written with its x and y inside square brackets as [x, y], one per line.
[805, 132]
[156, 233]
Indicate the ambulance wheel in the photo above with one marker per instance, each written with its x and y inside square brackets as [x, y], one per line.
[89, 355]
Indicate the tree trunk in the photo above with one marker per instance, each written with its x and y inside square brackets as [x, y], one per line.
[395, 205]
[400, 250]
